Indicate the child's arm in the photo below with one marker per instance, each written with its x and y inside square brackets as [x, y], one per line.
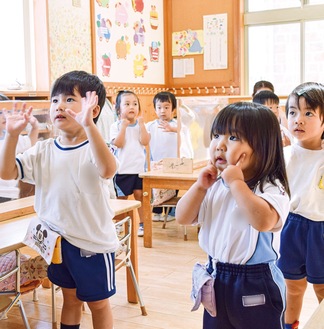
[120, 139]
[15, 124]
[188, 206]
[262, 216]
[144, 135]
[105, 160]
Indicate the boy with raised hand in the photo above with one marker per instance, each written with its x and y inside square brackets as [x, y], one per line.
[71, 175]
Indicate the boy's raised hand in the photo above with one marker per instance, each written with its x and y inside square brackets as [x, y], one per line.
[17, 120]
[85, 116]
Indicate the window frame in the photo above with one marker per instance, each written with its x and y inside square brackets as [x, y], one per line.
[305, 13]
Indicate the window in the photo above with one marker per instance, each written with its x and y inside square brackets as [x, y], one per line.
[16, 39]
[284, 45]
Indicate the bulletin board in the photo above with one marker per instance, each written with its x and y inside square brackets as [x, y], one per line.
[129, 41]
[182, 10]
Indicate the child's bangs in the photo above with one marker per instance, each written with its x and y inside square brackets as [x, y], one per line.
[228, 122]
[64, 87]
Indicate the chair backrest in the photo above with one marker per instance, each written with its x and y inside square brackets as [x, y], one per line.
[124, 229]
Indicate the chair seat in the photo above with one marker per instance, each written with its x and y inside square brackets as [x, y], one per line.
[170, 203]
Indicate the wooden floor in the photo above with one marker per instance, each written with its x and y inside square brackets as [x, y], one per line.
[165, 282]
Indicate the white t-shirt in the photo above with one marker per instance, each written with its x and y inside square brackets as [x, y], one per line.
[9, 188]
[70, 195]
[305, 170]
[132, 155]
[163, 144]
[226, 235]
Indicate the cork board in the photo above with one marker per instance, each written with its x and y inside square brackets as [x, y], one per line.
[189, 15]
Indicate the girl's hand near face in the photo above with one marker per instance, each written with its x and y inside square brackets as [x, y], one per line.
[140, 121]
[207, 176]
[85, 116]
[233, 172]
[125, 122]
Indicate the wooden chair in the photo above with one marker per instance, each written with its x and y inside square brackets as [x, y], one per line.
[122, 258]
[166, 206]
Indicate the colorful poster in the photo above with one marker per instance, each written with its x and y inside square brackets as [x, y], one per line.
[129, 41]
[188, 42]
[215, 37]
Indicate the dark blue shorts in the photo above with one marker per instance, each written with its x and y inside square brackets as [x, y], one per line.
[93, 277]
[302, 249]
[126, 184]
[248, 296]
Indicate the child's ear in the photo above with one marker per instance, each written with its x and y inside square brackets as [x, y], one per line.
[96, 111]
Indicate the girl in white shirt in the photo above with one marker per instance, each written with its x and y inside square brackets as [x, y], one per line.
[241, 201]
[302, 243]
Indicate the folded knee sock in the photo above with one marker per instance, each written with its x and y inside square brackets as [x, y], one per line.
[68, 326]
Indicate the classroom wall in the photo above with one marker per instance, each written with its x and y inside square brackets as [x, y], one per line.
[188, 14]
[69, 42]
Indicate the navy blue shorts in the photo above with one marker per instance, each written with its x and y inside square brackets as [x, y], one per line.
[302, 249]
[93, 277]
[126, 184]
[248, 296]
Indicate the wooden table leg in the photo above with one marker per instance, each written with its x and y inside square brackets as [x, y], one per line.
[147, 214]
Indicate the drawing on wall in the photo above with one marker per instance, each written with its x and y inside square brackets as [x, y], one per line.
[129, 41]
[215, 36]
[187, 42]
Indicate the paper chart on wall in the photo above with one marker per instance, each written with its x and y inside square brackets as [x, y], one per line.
[215, 42]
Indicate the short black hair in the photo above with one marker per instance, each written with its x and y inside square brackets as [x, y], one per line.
[265, 95]
[262, 84]
[81, 81]
[313, 93]
[119, 97]
[259, 127]
[165, 96]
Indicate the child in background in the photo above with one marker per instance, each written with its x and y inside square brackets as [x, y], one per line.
[262, 85]
[271, 100]
[302, 244]
[130, 137]
[241, 200]
[164, 137]
[71, 174]
[9, 189]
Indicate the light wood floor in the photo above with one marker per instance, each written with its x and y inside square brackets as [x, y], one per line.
[165, 282]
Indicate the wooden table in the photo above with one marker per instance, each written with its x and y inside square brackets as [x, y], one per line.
[16, 215]
[158, 179]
